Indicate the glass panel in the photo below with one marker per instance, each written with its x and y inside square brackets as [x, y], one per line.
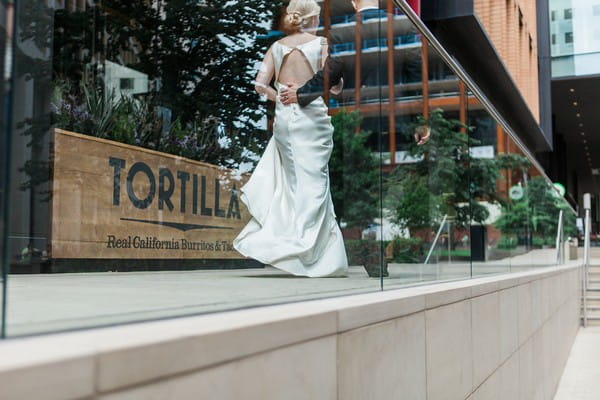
[5, 62]
[134, 130]
[358, 42]
[491, 174]
[136, 125]
[518, 208]
[426, 197]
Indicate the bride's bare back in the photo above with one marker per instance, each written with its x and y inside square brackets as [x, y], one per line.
[296, 68]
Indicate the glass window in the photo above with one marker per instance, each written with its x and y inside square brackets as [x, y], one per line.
[568, 37]
[568, 13]
[596, 9]
[552, 15]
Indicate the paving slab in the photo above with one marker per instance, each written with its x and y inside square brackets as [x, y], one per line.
[581, 377]
[53, 302]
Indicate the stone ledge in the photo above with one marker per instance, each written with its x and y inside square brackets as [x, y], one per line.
[109, 359]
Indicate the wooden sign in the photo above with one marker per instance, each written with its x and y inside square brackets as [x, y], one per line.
[115, 201]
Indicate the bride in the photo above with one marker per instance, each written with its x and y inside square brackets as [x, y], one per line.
[293, 226]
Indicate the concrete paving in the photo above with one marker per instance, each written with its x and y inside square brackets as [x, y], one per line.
[581, 377]
[42, 303]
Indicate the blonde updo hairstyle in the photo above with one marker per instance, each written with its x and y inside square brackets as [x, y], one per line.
[299, 15]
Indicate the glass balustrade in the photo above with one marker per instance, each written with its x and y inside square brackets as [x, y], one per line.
[131, 155]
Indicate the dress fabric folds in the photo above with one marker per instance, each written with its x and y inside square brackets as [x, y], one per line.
[293, 225]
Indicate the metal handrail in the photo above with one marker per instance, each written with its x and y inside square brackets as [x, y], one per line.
[560, 248]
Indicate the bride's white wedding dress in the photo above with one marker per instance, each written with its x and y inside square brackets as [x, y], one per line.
[293, 225]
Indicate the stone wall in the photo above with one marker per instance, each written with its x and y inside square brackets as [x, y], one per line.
[501, 337]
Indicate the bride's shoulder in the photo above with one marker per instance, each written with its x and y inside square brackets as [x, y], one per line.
[299, 39]
[313, 38]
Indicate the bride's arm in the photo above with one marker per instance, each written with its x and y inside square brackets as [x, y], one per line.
[263, 78]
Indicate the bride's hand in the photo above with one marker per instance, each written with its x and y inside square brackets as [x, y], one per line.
[288, 94]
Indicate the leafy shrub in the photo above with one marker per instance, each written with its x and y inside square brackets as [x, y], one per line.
[407, 250]
[367, 253]
[538, 241]
[508, 243]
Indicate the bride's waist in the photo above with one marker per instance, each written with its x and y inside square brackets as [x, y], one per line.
[317, 103]
[280, 86]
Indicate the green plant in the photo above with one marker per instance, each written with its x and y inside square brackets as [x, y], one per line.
[536, 213]
[537, 241]
[102, 109]
[410, 202]
[507, 242]
[407, 250]
[367, 253]
[515, 218]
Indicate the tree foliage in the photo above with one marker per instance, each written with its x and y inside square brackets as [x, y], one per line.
[536, 213]
[199, 56]
[354, 172]
[445, 179]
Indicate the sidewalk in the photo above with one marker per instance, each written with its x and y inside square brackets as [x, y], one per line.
[581, 377]
[50, 302]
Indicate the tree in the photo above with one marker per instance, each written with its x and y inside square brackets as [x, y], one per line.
[199, 56]
[354, 172]
[445, 179]
[536, 213]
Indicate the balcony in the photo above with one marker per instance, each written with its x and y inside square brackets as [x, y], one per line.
[367, 16]
[443, 86]
[371, 44]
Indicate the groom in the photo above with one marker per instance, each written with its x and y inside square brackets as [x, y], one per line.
[337, 68]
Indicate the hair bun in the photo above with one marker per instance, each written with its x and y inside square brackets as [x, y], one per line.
[299, 14]
[295, 18]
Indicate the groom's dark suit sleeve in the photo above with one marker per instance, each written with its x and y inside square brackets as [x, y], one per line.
[315, 87]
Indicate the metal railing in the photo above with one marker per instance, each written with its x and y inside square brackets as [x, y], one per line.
[560, 239]
[586, 254]
[437, 236]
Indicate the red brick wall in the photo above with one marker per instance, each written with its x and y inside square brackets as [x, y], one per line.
[512, 27]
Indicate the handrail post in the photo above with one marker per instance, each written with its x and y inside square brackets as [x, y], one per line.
[437, 236]
[449, 244]
[586, 253]
[559, 239]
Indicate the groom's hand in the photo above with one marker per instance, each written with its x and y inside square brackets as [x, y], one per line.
[288, 94]
[422, 135]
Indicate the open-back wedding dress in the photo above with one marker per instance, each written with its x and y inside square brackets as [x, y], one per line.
[293, 225]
